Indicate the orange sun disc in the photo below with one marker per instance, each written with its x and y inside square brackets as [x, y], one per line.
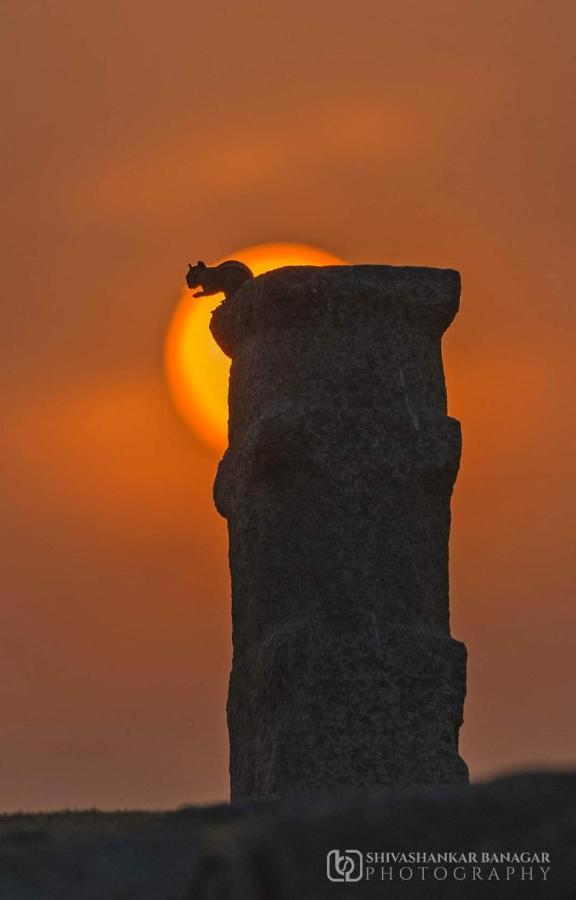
[196, 368]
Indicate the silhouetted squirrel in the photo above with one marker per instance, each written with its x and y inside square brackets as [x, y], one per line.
[225, 278]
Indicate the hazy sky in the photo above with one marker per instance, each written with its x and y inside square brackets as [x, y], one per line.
[138, 136]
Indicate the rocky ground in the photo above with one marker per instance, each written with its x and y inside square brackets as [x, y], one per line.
[277, 849]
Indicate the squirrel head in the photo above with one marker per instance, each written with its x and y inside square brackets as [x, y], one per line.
[194, 273]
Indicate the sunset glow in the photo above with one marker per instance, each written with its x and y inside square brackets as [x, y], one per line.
[414, 134]
[196, 368]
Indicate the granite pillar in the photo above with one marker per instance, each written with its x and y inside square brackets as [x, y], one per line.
[336, 485]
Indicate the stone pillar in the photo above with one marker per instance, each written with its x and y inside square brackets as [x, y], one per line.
[336, 486]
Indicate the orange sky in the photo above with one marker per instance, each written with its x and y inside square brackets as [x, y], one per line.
[141, 137]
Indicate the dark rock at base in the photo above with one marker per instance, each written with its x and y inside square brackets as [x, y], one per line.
[277, 849]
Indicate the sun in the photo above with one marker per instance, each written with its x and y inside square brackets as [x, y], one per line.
[196, 369]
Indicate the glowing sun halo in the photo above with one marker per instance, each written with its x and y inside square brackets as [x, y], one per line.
[196, 368]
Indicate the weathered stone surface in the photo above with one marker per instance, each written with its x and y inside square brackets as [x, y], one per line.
[336, 486]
